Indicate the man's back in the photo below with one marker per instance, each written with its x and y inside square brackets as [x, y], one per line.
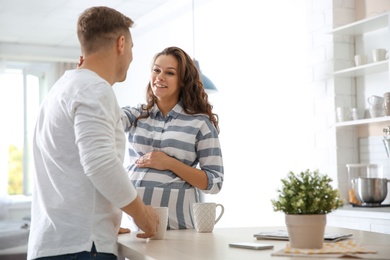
[65, 199]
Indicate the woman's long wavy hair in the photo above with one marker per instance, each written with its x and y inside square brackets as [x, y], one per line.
[192, 94]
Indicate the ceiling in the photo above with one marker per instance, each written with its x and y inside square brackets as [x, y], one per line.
[52, 23]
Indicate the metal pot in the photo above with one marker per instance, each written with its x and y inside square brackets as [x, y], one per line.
[371, 191]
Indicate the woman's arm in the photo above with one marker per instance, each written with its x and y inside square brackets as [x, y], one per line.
[128, 116]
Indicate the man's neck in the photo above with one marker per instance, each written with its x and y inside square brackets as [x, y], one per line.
[102, 65]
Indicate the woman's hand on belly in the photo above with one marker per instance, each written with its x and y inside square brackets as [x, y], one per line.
[161, 161]
[155, 160]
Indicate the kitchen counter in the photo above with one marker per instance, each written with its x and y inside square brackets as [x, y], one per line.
[190, 245]
[376, 219]
[13, 239]
[378, 212]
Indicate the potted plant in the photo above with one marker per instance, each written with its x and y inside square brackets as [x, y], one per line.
[306, 198]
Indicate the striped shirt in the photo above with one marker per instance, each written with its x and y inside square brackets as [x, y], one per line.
[191, 139]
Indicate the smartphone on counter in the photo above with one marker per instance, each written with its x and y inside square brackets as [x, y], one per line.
[249, 245]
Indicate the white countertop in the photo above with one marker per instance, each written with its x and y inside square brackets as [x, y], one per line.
[190, 245]
[13, 239]
[364, 212]
[13, 233]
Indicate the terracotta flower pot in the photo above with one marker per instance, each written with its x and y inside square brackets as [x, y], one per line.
[306, 231]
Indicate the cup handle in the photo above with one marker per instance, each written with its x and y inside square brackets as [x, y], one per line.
[368, 100]
[221, 213]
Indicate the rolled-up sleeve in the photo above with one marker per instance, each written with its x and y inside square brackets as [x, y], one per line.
[210, 157]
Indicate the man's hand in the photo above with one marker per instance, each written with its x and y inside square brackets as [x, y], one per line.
[144, 216]
[150, 229]
[123, 230]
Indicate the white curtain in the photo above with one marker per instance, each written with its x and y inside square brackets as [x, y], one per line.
[3, 158]
[64, 66]
[3, 178]
[57, 71]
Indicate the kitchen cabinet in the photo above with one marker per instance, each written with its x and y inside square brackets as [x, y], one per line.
[352, 85]
[367, 219]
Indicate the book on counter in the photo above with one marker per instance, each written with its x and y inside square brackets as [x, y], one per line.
[283, 235]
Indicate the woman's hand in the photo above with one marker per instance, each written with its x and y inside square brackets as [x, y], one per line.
[161, 161]
[156, 160]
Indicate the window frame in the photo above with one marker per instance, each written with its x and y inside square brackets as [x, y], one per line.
[39, 70]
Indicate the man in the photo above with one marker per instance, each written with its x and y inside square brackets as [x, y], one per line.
[81, 185]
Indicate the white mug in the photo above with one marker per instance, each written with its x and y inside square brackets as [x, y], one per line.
[357, 113]
[205, 216]
[376, 112]
[379, 54]
[343, 114]
[360, 60]
[375, 100]
[375, 106]
[162, 213]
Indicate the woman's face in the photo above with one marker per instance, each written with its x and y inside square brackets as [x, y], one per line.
[164, 78]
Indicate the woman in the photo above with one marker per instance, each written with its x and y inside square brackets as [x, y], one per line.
[173, 139]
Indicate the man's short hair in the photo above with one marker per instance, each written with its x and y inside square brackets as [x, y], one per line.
[99, 26]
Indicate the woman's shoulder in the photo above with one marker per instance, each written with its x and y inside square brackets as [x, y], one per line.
[133, 109]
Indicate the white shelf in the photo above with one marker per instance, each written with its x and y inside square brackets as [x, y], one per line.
[356, 36]
[365, 25]
[363, 70]
[363, 121]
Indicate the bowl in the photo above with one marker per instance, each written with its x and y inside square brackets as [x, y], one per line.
[371, 191]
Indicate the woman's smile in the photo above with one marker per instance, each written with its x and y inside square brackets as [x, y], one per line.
[157, 85]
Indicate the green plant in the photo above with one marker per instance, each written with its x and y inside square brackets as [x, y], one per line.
[307, 193]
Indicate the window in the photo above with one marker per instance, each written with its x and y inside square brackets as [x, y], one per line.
[19, 105]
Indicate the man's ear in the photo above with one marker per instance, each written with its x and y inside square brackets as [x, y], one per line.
[120, 44]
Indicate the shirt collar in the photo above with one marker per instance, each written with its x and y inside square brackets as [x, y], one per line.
[175, 112]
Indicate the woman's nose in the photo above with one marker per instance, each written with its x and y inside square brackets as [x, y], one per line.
[159, 76]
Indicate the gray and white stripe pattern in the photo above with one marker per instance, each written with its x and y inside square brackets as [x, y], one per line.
[191, 139]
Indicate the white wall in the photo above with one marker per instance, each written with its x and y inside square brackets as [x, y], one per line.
[254, 52]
